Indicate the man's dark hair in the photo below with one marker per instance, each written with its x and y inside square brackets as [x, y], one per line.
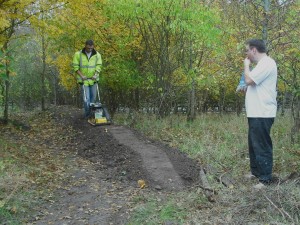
[89, 42]
[258, 44]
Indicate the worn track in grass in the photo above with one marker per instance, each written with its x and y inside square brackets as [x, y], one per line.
[100, 190]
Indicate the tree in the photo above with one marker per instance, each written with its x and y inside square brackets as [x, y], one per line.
[175, 37]
[70, 29]
[15, 15]
[12, 14]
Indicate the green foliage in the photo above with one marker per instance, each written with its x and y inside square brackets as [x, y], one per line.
[178, 40]
[3, 75]
[159, 50]
[26, 85]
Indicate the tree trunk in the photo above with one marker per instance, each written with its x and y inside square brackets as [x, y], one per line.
[43, 75]
[222, 100]
[203, 101]
[54, 88]
[282, 103]
[192, 103]
[239, 105]
[191, 115]
[136, 97]
[266, 21]
[295, 132]
[6, 98]
[6, 85]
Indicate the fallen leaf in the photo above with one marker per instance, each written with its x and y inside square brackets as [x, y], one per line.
[142, 184]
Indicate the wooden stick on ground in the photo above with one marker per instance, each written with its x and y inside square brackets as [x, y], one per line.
[209, 194]
[283, 213]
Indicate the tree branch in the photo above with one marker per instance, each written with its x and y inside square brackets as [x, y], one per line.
[283, 213]
[30, 15]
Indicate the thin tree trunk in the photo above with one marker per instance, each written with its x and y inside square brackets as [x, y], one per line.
[295, 132]
[192, 103]
[54, 88]
[43, 90]
[266, 21]
[7, 83]
[222, 100]
[136, 99]
[238, 105]
[286, 103]
[191, 115]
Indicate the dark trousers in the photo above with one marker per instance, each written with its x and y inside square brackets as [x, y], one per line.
[260, 147]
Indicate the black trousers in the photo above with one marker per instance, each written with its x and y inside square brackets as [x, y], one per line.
[260, 147]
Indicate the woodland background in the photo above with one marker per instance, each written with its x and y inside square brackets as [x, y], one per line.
[170, 70]
[160, 56]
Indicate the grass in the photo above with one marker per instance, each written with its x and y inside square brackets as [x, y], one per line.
[28, 171]
[155, 210]
[218, 141]
[12, 181]
[221, 142]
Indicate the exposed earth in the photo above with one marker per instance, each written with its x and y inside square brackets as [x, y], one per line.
[108, 166]
[69, 172]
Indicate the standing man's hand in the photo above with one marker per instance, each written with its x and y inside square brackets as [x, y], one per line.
[247, 62]
[242, 89]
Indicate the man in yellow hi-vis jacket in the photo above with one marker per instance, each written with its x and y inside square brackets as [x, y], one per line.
[87, 66]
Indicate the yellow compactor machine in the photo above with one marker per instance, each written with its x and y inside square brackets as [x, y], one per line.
[99, 113]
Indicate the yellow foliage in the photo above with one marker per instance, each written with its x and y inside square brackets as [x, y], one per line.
[67, 77]
[3, 19]
[12, 10]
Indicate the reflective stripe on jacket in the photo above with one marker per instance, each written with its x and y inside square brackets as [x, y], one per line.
[88, 67]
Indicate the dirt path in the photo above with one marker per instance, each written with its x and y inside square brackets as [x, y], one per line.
[86, 198]
[154, 159]
[104, 166]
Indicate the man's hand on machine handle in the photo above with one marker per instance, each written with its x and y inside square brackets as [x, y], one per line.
[95, 77]
[83, 77]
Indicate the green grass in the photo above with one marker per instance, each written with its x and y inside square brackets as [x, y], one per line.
[6, 217]
[154, 210]
[221, 142]
[24, 180]
[11, 182]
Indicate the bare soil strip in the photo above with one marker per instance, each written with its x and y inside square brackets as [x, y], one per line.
[154, 159]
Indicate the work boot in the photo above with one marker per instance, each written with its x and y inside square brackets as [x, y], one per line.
[263, 183]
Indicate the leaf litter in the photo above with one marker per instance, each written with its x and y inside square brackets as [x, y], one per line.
[82, 173]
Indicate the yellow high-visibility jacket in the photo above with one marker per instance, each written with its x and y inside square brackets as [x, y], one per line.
[89, 67]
